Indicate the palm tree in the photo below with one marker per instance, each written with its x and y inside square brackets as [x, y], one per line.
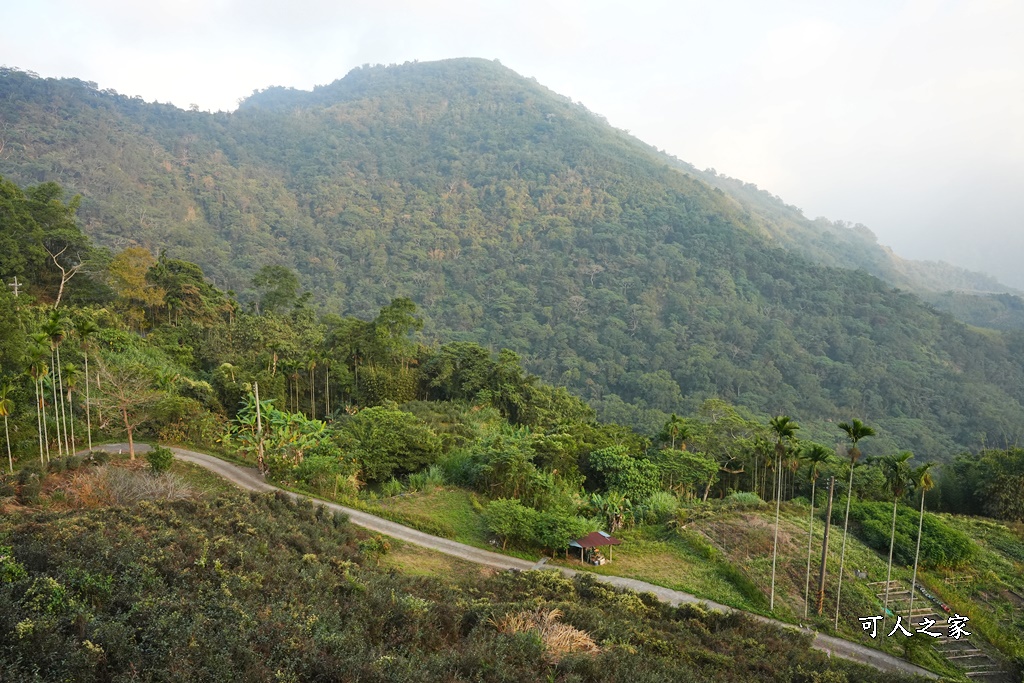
[676, 428]
[71, 375]
[311, 366]
[785, 430]
[6, 406]
[815, 455]
[86, 329]
[38, 370]
[855, 431]
[55, 329]
[896, 470]
[923, 482]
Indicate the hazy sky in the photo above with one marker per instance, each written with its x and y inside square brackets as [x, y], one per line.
[904, 116]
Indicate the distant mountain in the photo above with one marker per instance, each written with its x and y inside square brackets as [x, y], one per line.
[517, 218]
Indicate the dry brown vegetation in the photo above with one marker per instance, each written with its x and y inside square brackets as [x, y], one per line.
[558, 639]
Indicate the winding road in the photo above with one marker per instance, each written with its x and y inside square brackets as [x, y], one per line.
[250, 479]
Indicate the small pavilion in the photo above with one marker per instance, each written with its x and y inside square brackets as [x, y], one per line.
[589, 544]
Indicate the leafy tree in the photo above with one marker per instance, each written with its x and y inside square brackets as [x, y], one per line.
[687, 472]
[388, 442]
[618, 470]
[1001, 483]
[278, 288]
[502, 464]
[510, 520]
[136, 293]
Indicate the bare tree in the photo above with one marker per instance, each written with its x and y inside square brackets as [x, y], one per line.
[127, 390]
[65, 273]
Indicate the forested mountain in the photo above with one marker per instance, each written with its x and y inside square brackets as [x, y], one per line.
[516, 218]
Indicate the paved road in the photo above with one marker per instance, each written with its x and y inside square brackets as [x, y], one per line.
[250, 479]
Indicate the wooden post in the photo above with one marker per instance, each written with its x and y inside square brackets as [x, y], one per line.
[824, 546]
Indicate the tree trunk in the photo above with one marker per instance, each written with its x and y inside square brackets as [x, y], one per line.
[10, 459]
[824, 546]
[810, 541]
[128, 427]
[917, 554]
[56, 406]
[39, 422]
[46, 430]
[775, 546]
[63, 412]
[71, 412]
[888, 573]
[99, 408]
[88, 415]
[842, 555]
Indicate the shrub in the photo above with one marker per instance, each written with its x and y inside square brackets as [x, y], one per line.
[510, 520]
[660, 507]
[744, 499]
[392, 487]
[160, 459]
[430, 478]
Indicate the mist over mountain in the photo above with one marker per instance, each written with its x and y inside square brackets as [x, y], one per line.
[515, 217]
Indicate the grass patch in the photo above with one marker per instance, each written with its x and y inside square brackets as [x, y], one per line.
[416, 561]
[653, 555]
[450, 510]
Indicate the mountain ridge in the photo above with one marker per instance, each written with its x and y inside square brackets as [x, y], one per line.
[515, 217]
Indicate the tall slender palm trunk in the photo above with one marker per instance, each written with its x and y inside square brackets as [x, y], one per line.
[810, 540]
[39, 419]
[10, 458]
[842, 555]
[775, 546]
[88, 414]
[56, 408]
[888, 573]
[917, 554]
[46, 431]
[60, 381]
[71, 420]
[312, 395]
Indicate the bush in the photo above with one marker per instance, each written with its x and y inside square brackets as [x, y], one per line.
[744, 499]
[160, 459]
[30, 486]
[660, 507]
[430, 478]
[392, 487]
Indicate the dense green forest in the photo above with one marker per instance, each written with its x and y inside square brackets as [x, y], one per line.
[514, 218]
[97, 344]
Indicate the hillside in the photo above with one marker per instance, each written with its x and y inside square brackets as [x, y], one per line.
[210, 587]
[514, 217]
